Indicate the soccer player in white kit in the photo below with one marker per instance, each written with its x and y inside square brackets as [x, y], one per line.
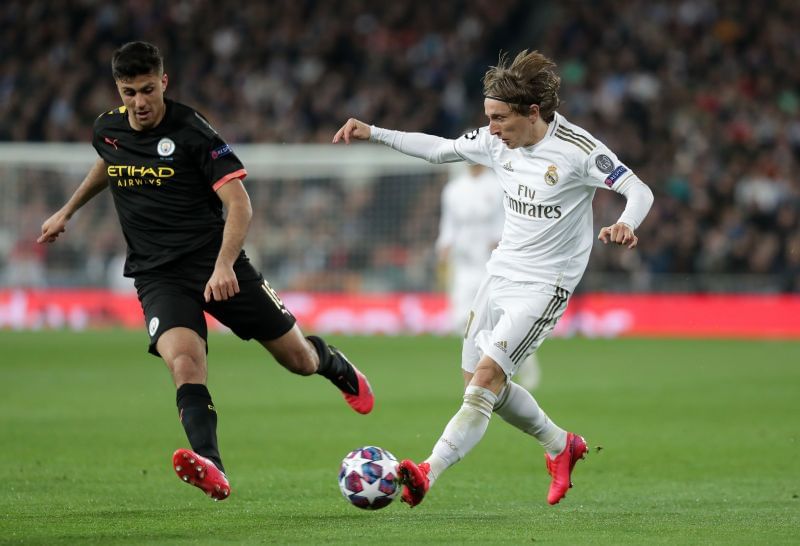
[470, 226]
[549, 170]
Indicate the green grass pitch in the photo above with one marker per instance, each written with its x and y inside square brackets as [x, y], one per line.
[699, 445]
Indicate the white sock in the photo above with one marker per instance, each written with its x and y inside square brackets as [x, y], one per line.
[464, 430]
[519, 408]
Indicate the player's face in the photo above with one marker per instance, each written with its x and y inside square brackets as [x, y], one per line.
[144, 98]
[512, 128]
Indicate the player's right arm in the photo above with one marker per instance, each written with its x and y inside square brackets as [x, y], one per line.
[352, 129]
[94, 183]
[431, 148]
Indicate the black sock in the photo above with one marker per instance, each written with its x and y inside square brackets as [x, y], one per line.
[199, 420]
[334, 366]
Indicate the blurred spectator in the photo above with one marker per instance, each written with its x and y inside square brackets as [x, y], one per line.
[276, 71]
[703, 97]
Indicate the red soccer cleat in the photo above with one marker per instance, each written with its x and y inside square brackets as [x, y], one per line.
[561, 467]
[202, 473]
[364, 400]
[414, 479]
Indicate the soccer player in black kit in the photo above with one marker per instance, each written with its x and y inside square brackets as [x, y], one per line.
[171, 175]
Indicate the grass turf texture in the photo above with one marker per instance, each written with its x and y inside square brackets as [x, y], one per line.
[699, 445]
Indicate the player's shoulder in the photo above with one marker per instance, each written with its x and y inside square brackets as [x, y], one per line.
[481, 133]
[186, 116]
[482, 138]
[118, 117]
[570, 136]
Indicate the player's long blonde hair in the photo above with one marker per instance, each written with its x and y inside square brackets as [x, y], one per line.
[529, 79]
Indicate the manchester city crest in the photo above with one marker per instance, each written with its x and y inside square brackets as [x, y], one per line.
[551, 176]
[165, 147]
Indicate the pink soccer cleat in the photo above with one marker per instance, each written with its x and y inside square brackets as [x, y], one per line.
[414, 479]
[561, 467]
[363, 400]
[201, 472]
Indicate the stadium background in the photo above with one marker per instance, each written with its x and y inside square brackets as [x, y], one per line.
[690, 410]
[700, 98]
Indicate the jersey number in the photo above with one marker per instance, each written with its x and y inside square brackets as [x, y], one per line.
[274, 297]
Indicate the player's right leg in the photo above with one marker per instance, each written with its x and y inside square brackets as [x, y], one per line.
[184, 352]
[178, 333]
[201, 472]
[415, 480]
[462, 433]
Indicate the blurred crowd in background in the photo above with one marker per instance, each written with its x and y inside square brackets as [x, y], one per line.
[701, 98]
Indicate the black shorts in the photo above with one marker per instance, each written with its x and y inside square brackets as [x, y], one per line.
[174, 298]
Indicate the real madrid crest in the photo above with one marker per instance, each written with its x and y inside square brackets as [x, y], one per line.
[165, 147]
[551, 176]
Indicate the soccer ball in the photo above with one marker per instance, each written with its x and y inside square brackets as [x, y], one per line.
[368, 478]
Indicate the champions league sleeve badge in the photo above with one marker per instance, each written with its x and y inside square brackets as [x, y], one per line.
[604, 163]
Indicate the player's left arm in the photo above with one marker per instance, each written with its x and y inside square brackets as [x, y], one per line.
[639, 200]
[605, 170]
[223, 283]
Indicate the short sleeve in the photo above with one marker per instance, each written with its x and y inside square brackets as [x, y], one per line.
[219, 163]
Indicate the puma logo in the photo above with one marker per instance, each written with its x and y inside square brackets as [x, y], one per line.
[113, 142]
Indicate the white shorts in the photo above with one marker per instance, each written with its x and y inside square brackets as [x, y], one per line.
[509, 320]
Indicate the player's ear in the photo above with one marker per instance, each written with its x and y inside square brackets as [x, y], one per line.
[164, 81]
[533, 112]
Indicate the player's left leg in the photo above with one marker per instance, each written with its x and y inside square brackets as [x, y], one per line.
[257, 312]
[517, 406]
[529, 374]
[311, 354]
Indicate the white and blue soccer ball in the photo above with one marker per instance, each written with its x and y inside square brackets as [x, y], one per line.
[368, 478]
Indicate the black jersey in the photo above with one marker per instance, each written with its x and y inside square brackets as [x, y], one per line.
[163, 181]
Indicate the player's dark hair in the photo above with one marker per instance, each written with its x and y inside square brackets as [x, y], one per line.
[136, 59]
[529, 79]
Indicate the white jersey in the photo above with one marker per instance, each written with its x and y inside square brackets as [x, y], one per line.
[549, 187]
[472, 219]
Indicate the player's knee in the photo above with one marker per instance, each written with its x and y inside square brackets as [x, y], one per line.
[489, 375]
[186, 368]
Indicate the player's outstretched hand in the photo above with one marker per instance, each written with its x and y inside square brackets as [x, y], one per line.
[352, 129]
[53, 227]
[619, 233]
